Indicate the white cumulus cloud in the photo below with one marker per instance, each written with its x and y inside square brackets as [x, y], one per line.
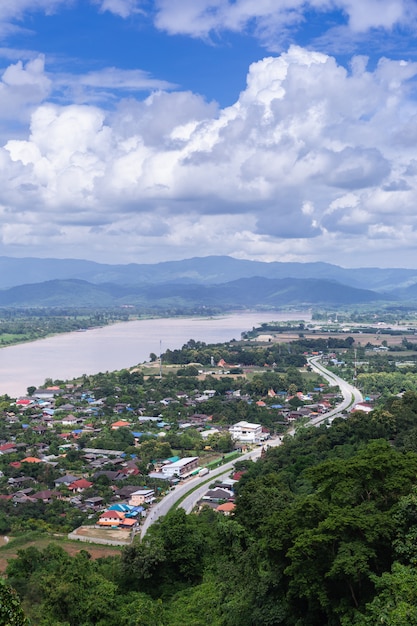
[22, 88]
[200, 18]
[310, 152]
[122, 8]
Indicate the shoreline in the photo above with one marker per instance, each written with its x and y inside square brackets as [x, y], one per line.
[146, 318]
[122, 345]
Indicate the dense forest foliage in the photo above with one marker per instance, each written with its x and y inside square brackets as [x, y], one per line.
[241, 353]
[323, 534]
[28, 324]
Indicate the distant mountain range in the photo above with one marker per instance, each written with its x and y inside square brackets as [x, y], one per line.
[204, 281]
[245, 292]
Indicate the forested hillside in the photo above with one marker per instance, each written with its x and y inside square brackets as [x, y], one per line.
[323, 534]
[242, 293]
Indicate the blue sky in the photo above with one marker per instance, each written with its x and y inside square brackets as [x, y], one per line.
[84, 39]
[145, 131]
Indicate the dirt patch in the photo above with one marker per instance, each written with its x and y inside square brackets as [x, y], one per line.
[111, 534]
[96, 552]
[361, 339]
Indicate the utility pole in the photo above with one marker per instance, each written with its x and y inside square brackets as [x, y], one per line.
[354, 366]
[160, 359]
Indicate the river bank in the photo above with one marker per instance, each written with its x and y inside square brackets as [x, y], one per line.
[118, 346]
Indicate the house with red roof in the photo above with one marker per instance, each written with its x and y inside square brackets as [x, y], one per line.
[80, 485]
[111, 518]
[6, 448]
[24, 402]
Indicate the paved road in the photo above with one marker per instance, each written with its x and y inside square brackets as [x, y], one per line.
[351, 396]
[162, 507]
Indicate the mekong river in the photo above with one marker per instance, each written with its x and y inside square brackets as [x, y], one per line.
[115, 347]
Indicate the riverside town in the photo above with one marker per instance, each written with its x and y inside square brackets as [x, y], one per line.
[114, 465]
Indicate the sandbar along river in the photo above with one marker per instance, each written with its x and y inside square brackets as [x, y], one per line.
[115, 347]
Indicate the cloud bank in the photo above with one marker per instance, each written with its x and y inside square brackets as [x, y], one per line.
[312, 161]
[269, 19]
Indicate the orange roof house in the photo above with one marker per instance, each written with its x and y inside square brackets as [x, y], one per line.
[128, 522]
[120, 424]
[31, 459]
[227, 508]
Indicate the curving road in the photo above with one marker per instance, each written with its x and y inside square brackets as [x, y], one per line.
[198, 485]
[180, 490]
[351, 395]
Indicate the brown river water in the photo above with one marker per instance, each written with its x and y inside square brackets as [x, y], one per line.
[115, 347]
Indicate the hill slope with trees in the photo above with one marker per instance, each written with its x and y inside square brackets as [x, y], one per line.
[209, 270]
[242, 293]
[323, 534]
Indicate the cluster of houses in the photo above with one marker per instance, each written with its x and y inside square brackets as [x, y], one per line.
[72, 412]
[126, 515]
[75, 411]
[221, 498]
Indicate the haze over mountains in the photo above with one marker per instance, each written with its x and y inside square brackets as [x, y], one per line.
[210, 281]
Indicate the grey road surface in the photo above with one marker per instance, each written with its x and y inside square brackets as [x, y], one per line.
[162, 507]
[351, 396]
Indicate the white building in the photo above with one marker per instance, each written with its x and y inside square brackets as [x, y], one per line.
[363, 406]
[246, 432]
[142, 496]
[205, 434]
[183, 467]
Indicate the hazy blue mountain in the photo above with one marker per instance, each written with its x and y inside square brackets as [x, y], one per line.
[244, 292]
[210, 270]
[291, 291]
[32, 270]
[71, 292]
[405, 293]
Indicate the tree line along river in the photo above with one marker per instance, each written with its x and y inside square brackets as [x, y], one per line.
[118, 346]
